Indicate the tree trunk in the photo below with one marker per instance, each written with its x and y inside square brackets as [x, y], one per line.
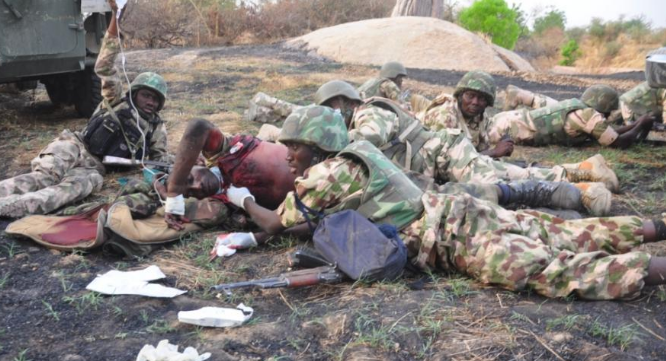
[428, 8]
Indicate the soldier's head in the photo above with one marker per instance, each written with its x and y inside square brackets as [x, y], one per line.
[602, 98]
[312, 134]
[149, 91]
[394, 71]
[202, 183]
[341, 96]
[474, 92]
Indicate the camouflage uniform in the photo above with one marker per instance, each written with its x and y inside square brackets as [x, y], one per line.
[642, 100]
[514, 250]
[444, 113]
[264, 108]
[66, 170]
[380, 87]
[517, 98]
[62, 173]
[567, 122]
[447, 154]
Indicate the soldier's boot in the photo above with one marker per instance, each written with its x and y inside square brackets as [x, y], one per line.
[516, 97]
[534, 194]
[593, 169]
[596, 198]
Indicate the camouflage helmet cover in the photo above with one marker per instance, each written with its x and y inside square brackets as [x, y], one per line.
[152, 81]
[479, 81]
[392, 69]
[602, 98]
[318, 126]
[336, 88]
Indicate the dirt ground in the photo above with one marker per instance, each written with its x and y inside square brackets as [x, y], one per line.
[47, 314]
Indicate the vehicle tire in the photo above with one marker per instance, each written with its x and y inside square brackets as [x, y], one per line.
[89, 93]
[57, 91]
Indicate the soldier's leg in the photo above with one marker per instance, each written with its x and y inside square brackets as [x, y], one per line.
[267, 109]
[76, 184]
[48, 168]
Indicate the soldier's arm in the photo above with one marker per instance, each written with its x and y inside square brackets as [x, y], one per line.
[158, 145]
[112, 88]
[390, 90]
[373, 125]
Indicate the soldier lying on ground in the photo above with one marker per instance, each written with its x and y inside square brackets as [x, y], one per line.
[264, 108]
[524, 250]
[69, 168]
[643, 100]
[465, 110]
[569, 122]
[447, 155]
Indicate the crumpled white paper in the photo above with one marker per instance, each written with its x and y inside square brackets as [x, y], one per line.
[217, 316]
[133, 283]
[168, 352]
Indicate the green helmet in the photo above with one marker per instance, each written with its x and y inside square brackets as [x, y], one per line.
[479, 81]
[152, 81]
[392, 69]
[602, 98]
[336, 88]
[318, 126]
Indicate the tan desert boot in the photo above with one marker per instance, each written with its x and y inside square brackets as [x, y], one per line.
[593, 169]
[596, 198]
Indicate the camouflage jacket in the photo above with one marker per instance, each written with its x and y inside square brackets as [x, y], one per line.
[379, 87]
[444, 113]
[642, 100]
[112, 92]
[580, 124]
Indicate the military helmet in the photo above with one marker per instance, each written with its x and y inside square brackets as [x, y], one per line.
[392, 69]
[152, 81]
[316, 125]
[602, 98]
[336, 88]
[479, 81]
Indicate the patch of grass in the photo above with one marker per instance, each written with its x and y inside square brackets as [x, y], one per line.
[372, 333]
[143, 314]
[66, 287]
[11, 249]
[283, 243]
[160, 327]
[620, 336]
[84, 264]
[22, 356]
[567, 322]
[519, 317]
[53, 313]
[299, 312]
[661, 294]
[120, 335]
[196, 333]
[4, 279]
[88, 300]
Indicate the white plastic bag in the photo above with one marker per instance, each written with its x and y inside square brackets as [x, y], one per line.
[217, 316]
[168, 352]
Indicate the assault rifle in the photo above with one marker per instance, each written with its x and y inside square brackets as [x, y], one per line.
[124, 162]
[300, 278]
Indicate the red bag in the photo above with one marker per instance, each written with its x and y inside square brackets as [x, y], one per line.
[259, 166]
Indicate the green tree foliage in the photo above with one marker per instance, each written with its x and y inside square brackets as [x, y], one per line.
[570, 52]
[495, 18]
[553, 19]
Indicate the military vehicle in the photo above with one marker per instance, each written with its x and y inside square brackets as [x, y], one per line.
[55, 42]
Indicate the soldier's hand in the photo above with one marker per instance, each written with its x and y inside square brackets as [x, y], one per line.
[175, 221]
[113, 5]
[504, 148]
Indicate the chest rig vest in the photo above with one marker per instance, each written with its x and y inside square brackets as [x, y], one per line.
[549, 122]
[389, 195]
[113, 131]
[411, 136]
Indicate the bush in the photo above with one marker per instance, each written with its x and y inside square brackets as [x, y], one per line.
[570, 52]
[494, 18]
[553, 19]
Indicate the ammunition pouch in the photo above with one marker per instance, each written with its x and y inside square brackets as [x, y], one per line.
[105, 135]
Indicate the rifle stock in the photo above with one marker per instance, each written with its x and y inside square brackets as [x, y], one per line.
[300, 278]
[124, 162]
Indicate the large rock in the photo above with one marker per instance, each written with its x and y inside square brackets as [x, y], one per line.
[416, 42]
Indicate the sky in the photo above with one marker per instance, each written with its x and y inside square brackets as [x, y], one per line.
[581, 12]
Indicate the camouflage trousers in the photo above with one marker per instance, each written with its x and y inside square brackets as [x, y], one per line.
[62, 173]
[264, 108]
[529, 250]
[450, 156]
[517, 98]
[515, 123]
